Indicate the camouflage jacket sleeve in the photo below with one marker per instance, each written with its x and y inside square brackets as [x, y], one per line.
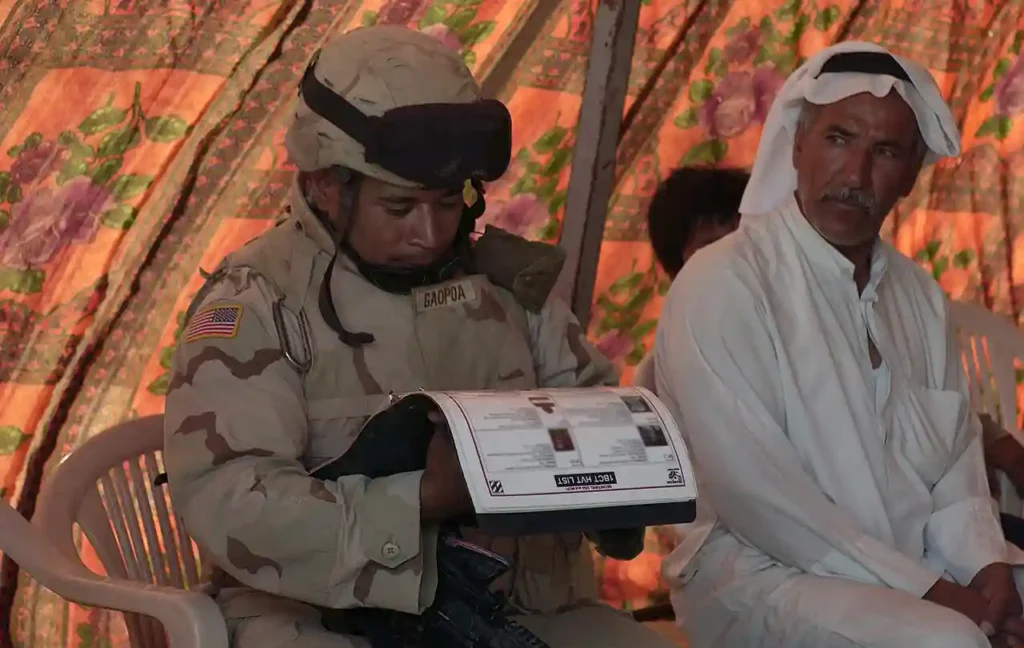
[564, 357]
[562, 354]
[235, 432]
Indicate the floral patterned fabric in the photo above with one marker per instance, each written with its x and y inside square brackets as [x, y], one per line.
[142, 140]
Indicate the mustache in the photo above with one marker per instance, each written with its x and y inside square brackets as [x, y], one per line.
[852, 197]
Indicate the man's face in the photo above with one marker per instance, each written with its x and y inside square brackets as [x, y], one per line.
[854, 159]
[398, 226]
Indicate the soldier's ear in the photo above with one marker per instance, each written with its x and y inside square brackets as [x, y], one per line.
[319, 189]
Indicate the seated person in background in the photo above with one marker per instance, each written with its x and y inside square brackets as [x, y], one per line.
[1003, 453]
[691, 208]
[813, 373]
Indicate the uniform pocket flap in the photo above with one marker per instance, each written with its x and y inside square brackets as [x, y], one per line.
[346, 407]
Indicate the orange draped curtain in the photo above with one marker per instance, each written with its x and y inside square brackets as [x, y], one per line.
[142, 140]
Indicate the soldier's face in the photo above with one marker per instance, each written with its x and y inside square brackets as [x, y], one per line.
[402, 227]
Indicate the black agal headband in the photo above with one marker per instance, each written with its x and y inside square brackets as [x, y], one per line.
[865, 63]
[435, 145]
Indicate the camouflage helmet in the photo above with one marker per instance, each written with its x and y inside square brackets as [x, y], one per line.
[375, 69]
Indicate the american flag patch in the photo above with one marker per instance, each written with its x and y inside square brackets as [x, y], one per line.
[214, 322]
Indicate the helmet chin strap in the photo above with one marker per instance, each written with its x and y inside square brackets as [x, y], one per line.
[402, 281]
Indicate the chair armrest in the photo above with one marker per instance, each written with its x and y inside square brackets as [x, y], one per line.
[190, 619]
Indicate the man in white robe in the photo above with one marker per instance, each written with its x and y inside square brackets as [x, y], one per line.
[843, 494]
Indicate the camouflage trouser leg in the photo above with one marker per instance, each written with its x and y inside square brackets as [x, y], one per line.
[290, 631]
[593, 626]
[258, 620]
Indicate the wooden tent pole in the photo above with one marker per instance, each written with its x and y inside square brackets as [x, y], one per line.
[593, 159]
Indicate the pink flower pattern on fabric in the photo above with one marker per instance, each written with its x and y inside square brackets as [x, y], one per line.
[47, 220]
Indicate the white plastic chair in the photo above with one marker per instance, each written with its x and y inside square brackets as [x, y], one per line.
[187, 612]
[106, 488]
[991, 345]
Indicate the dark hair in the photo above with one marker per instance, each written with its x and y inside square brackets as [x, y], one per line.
[687, 199]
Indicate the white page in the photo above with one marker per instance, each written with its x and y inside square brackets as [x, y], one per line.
[564, 449]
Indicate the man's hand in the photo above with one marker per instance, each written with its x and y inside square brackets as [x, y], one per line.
[1007, 455]
[996, 584]
[968, 602]
[974, 605]
[443, 492]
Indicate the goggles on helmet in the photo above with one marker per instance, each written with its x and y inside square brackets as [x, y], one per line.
[434, 145]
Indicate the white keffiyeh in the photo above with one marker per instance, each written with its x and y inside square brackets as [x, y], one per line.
[773, 178]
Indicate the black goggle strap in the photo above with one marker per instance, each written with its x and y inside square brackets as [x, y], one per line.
[332, 107]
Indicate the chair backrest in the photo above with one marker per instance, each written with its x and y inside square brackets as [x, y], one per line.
[991, 346]
[106, 487]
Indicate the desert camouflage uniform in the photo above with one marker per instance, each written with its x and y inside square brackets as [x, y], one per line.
[244, 428]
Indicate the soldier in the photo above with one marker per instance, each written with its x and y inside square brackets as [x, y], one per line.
[372, 285]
